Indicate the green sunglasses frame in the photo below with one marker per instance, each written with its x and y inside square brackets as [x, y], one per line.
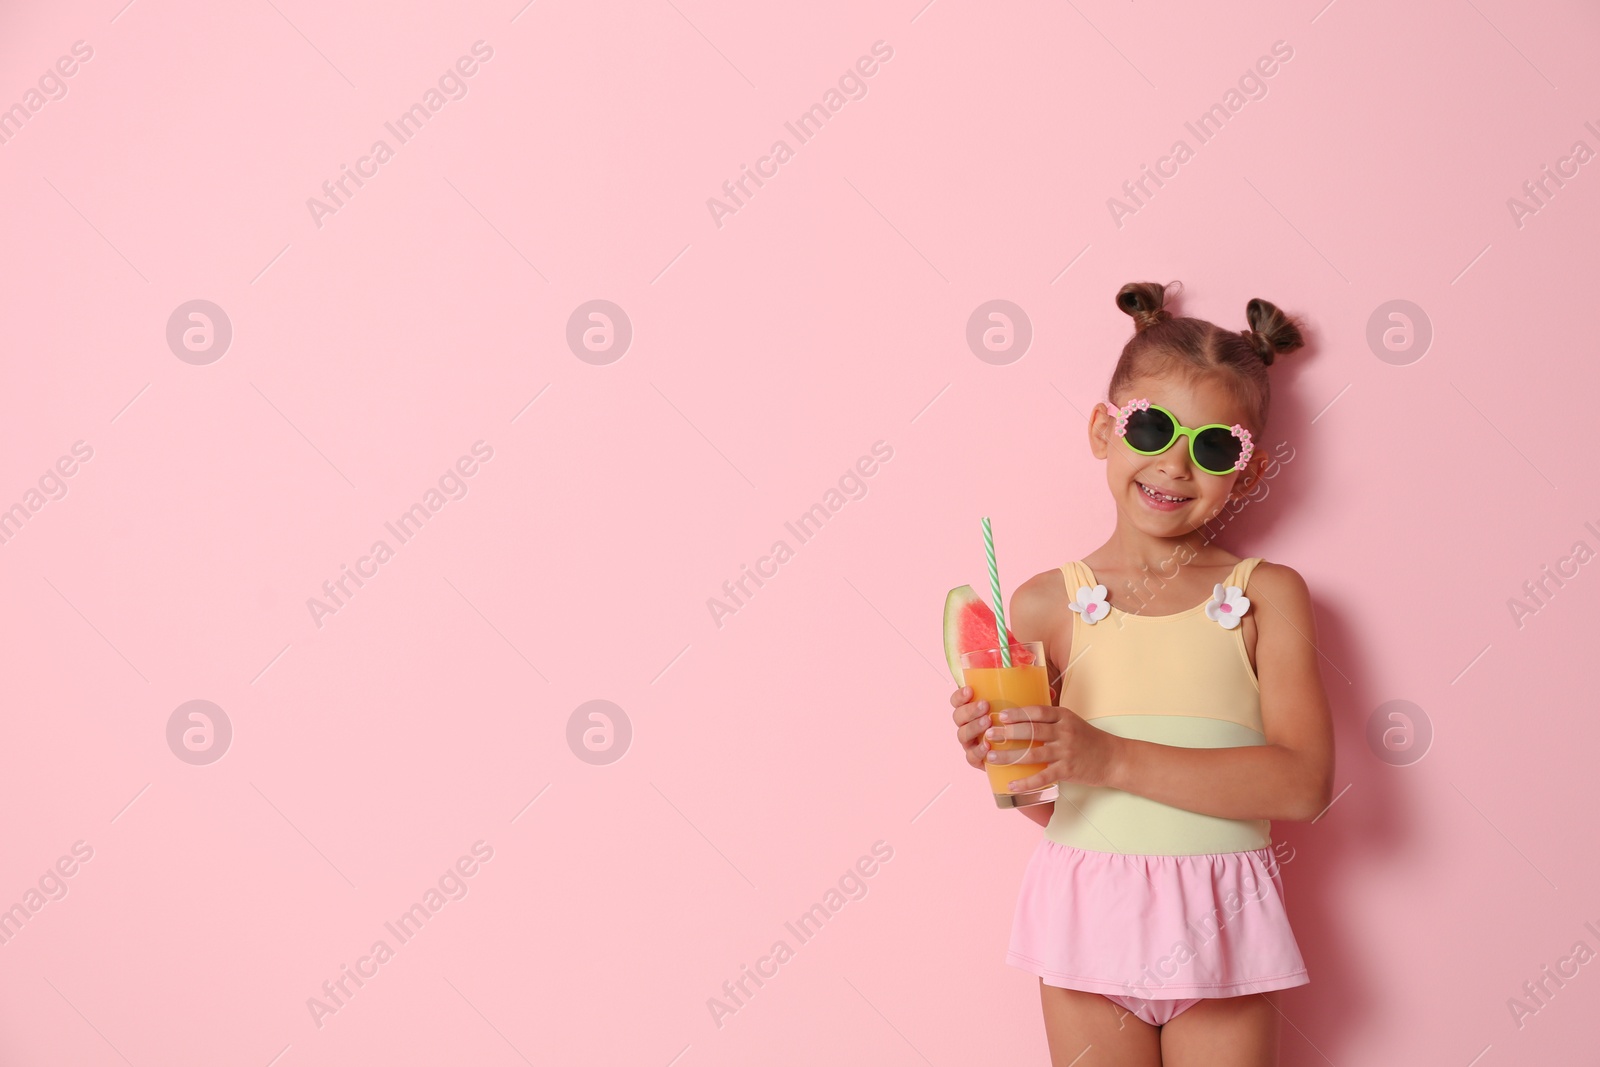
[1180, 430]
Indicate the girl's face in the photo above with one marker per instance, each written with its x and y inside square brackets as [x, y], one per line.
[1133, 477]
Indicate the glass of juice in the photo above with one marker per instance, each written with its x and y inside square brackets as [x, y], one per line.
[1025, 682]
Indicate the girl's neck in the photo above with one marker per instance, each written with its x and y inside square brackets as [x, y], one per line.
[1134, 550]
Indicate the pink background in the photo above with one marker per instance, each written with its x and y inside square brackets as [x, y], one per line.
[769, 753]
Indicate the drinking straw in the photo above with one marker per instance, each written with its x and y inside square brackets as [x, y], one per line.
[994, 591]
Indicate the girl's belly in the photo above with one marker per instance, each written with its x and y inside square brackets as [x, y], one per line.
[1101, 819]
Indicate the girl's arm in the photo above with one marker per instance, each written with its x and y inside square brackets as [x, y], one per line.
[1291, 776]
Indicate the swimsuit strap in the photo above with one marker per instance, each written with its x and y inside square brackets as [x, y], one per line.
[1240, 575]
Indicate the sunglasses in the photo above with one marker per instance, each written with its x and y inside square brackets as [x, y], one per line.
[1150, 430]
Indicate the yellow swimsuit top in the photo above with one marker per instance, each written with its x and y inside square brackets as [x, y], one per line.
[1181, 680]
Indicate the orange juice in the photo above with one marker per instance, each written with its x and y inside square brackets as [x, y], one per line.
[1005, 688]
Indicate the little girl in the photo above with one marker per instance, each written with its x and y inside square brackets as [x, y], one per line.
[1188, 712]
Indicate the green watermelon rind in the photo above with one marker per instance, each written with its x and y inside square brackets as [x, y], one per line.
[956, 602]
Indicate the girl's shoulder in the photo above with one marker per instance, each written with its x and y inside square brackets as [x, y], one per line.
[1045, 588]
[1282, 587]
[1039, 604]
[1279, 577]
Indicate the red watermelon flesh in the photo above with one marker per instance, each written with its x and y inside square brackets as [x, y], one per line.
[969, 626]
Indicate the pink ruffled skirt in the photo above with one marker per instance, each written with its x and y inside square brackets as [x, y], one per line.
[1155, 927]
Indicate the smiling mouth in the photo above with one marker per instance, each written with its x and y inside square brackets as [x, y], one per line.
[1162, 497]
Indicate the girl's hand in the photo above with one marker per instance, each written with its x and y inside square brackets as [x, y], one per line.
[1071, 749]
[971, 720]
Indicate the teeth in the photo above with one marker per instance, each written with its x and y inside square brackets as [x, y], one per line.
[1151, 493]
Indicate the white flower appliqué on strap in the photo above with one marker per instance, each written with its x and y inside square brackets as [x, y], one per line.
[1091, 603]
[1227, 606]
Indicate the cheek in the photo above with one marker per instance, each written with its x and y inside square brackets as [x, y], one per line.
[1127, 464]
[1121, 476]
[1217, 496]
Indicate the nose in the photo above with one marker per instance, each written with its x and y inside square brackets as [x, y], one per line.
[1174, 463]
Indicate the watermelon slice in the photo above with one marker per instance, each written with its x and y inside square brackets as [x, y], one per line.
[969, 626]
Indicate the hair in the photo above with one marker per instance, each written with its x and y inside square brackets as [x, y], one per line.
[1164, 342]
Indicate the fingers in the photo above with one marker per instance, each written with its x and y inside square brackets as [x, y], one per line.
[971, 730]
[1030, 783]
[1035, 712]
[1054, 771]
[967, 713]
[1035, 733]
[971, 719]
[976, 751]
[1036, 751]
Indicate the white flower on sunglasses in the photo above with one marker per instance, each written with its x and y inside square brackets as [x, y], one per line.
[1091, 603]
[1227, 606]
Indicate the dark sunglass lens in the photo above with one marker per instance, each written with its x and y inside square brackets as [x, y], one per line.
[1149, 431]
[1217, 450]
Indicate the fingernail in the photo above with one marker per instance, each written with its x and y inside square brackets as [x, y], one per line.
[983, 705]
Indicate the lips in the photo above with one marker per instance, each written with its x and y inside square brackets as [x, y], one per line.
[1159, 499]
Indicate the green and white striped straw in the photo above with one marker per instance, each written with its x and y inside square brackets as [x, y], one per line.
[994, 591]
